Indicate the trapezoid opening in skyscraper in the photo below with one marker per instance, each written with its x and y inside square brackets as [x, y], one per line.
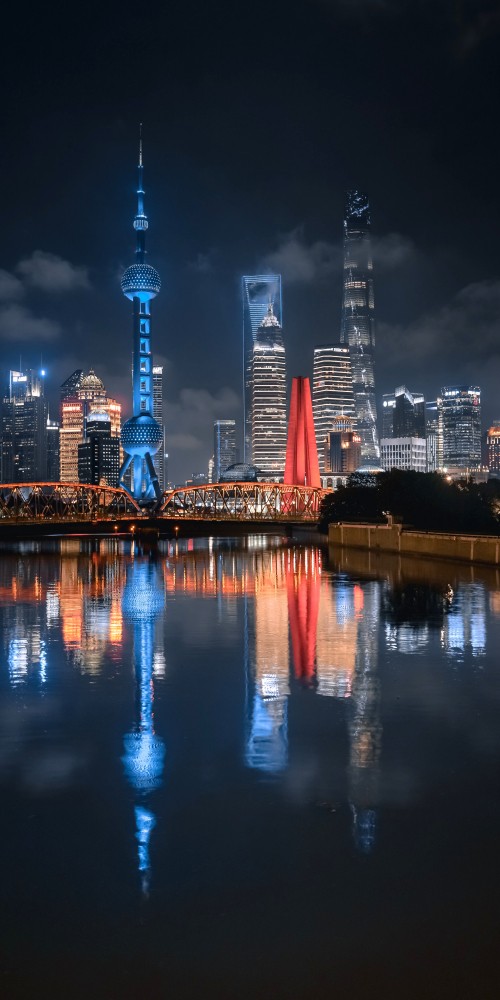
[141, 436]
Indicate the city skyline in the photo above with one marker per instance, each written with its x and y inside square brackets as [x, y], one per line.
[221, 213]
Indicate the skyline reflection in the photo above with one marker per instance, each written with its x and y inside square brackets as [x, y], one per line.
[305, 625]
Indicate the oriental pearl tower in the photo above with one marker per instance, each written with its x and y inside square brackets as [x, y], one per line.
[141, 435]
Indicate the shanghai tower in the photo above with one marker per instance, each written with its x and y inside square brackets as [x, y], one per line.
[141, 435]
[358, 321]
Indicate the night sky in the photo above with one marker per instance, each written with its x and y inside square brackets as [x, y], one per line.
[257, 118]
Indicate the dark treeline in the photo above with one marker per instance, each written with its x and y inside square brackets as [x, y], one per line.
[422, 500]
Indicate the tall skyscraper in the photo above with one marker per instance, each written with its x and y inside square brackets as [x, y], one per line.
[403, 443]
[99, 452]
[258, 290]
[142, 436]
[460, 407]
[52, 451]
[333, 394]
[358, 322]
[225, 451]
[158, 415]
[23, 428]
[269, 398]
[434, 435]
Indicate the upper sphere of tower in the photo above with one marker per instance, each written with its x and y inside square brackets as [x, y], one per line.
[141, 281]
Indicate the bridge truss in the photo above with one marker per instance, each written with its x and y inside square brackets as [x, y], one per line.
[244, 502]
[63, 502]
[67, 502]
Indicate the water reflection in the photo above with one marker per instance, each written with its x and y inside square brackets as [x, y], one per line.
[298, 624]
[143, 604]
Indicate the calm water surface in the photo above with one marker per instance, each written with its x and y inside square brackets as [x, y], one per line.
[243, 768]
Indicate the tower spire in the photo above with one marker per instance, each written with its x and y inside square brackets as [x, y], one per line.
[141, 219]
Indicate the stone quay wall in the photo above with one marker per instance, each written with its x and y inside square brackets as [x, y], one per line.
[394, 538]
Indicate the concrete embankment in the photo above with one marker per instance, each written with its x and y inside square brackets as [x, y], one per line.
[429, 544]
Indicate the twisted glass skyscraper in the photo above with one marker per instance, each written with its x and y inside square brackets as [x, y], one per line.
[358, 322]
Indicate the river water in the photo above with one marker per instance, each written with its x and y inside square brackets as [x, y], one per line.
[241, 768]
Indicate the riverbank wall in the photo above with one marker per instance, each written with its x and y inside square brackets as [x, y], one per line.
[429, 544]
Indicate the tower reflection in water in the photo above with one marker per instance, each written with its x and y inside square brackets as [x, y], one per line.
[267, 663]
[143, 603]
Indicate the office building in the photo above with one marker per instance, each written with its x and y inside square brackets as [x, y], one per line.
[81, 395]
[225, 451]
[409, 453]
[333, 394]
[409, 414]
[460, 409]
[258, 291]
[493, 450]
[342, 450]
[388, 405]
[358, 320]
[70, 436]
[269, 398]
[159, 459]
[53, 459]
[99, 452]
[434, 435]
[23, 421]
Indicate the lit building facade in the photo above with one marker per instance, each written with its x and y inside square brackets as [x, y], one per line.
[333, 394]
[493, 450]
[258, 291]
[99, 452]
[23, 428]
[269, 426]
[52, 430]
[70, 436]
[409, 453]
[460, 410]
[342, 450]
[159, 459]
[81, 395]
[434, 435]
[225, 451]
[408, 419]
[358, 320]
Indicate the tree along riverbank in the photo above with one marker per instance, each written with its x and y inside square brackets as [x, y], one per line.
[424, 501]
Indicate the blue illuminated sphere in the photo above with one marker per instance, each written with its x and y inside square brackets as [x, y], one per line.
[141, 434]
[141, 281]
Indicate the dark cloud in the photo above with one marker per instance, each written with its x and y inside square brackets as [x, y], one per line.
[305, 264]
[302, 263]
[18, 324]
[50, 273]
[10, 287]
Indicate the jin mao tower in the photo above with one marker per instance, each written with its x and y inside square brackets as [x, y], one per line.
[141, 435]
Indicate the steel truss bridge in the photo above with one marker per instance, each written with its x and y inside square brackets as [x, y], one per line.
[66, 503]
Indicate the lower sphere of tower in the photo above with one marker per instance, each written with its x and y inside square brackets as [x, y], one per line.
[140, 435]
